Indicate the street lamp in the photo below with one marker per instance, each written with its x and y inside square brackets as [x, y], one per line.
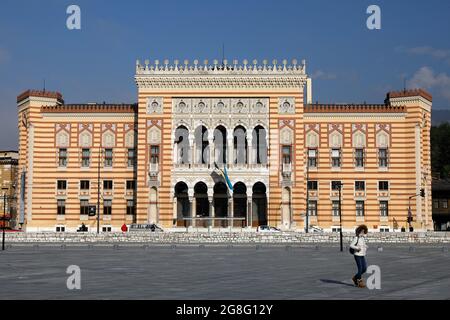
[4, 217]
[307, 191]
[98, 187]
[410, 218]
[340, 215]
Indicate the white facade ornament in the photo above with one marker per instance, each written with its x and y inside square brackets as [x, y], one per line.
[62, 139]
[154, 135]
[312, 139]
[382, 139]
[129, 139]
[359, 140]
[108, 139]
[154, 105]
[236, 76]
[85, 139]
[286, 135]
[336, 140]
[286, 105]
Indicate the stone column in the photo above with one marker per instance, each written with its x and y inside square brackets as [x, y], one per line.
[250, 150]
[211, 152]
[230, 149]
[175, 153]
[249, 210]
[191, 158]
[230, 209]
[194, 210]
[211, 210]
[175, 211]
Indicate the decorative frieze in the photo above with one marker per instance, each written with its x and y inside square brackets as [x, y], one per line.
[312, 135]
[109, 135]
[85, 132]
[217, 106]
[62, 135]
[154, 105]
[286, 105]
[382, 134]
[336, 135]
[221, 76]
[359, 135]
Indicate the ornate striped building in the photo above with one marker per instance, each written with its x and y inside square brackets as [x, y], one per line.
[156, 161]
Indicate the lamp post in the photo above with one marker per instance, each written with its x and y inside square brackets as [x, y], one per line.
[98, 188]
[340, 216]
[4, 218]
[410, 218]
[307, 192]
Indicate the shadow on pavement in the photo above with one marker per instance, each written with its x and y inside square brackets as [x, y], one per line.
[337, 282]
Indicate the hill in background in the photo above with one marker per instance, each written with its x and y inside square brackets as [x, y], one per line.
[439, 116]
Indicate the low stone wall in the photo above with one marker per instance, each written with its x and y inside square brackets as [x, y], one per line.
[223, 238]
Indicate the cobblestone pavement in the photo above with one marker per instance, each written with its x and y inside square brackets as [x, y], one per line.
[220, 272]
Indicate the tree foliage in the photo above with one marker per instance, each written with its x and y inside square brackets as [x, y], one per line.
[440, 150]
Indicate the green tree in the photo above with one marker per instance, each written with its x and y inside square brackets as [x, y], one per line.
[440, 150]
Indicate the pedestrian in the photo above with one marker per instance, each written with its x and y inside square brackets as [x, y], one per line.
[358, 248]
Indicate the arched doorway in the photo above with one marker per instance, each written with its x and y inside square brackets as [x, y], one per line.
[220, 203]
[183, 205]
[201, 203]
[259, 199]
[240, 204]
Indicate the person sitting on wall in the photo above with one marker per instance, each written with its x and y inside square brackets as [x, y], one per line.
[83, 228]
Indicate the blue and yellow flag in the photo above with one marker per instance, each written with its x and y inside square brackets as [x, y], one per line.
[224, 175]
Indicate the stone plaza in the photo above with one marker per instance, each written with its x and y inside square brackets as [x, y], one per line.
[220, 271]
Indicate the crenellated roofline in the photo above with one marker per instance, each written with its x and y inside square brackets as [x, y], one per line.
[224, 68]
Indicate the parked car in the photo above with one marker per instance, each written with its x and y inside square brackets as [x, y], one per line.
[267, 229]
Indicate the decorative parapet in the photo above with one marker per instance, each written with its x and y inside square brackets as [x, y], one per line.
[409, 93]
[90, 108]
[222, 75]
[353, 108]
[40, 94]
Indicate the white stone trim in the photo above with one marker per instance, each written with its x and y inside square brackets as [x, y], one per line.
[385, 116]
[89, 115]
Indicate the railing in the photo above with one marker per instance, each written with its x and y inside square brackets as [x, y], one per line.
[287, 169]
[237, 166]
[153, 168]
[210, 221]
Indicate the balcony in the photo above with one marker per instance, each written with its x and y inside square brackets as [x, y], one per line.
[84, 193]
[287, 170]
[360, 193]
[208, 167]
[107, 192]
[153, 174]
[153, 169]
[61, 192]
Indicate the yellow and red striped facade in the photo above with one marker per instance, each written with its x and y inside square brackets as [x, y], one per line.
[265, 108]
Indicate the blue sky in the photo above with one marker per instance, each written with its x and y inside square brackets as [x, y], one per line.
[348, 62]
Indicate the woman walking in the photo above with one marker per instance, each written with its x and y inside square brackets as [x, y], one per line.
[358, 248]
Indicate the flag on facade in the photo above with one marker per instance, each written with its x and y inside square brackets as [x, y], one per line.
[224, 175]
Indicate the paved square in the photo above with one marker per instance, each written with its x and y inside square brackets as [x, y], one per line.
[220, 272]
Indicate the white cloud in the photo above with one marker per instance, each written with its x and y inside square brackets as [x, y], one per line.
[440, 54]
[427, 79]
[319, 74]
